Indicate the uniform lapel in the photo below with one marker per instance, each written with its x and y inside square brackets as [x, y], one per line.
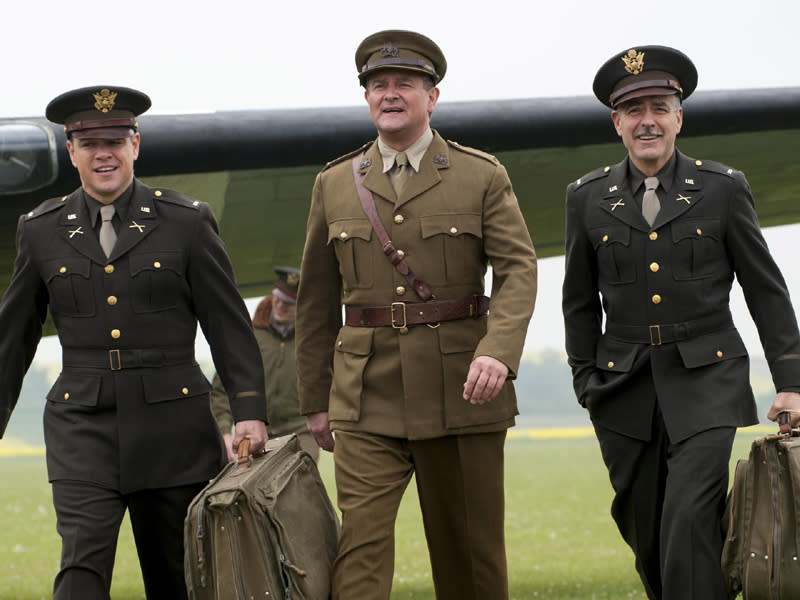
[686, 191]
[139, 223]
[436, 157]
[618, 200]
[375, 180]
[78, 230]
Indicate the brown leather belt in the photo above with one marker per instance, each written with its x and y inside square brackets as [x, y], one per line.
[405, 314]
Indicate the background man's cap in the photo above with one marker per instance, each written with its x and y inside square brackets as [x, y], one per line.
[285, 286]
[645, 71]
[104, 112]
[397, 49]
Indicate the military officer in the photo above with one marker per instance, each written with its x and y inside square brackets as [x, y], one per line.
[274, 326]
[422, 368]
[127, 272]
[654, 242]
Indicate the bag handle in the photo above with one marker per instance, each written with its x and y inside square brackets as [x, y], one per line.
[368, 204]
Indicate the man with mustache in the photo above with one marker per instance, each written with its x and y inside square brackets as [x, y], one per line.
[654, 242]
[418, 380]
[127, 273]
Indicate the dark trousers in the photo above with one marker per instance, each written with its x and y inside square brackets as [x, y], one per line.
[88, 519]
[668, 505]
[460, 488]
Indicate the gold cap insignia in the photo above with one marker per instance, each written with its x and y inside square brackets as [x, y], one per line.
[292, 279]
[634, 61]
[104, 100]
[389, 50]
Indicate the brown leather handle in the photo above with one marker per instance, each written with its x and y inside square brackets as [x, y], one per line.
[244, 451]
[785, 423]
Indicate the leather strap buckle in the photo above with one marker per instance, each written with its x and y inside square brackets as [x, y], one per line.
[405, 321]
[655, 335]
[114, 360]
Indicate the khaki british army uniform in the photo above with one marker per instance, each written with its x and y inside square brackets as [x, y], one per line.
[454, 216]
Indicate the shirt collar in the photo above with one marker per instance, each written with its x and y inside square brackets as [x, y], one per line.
[414, 152]
[121, 205]
[665, 175]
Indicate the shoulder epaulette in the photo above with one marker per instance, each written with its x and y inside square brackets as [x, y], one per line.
[46, 207]
[173, 197]
[592, 175]
[347, 156]
[473, 152]
[714, 167]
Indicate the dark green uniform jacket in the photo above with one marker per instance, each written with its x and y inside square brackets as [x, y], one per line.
[148, 424]
[671, 281]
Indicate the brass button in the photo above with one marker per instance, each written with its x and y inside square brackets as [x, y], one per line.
[654, 267]
[112, 300]
[185, 391]
[157, 193]
[62, 270]
[698, 162]
[400, 253]
[400, 290]
[605, 238]
[606, 170]
[66, 396]
[157, 265]
[699, 231]
[115, 333]
[63, 198]
[399, 219]
[656, 299]
[403, 330]
[453, 230]
[109, 268]
[653, 235]
[343, 235]
[339, 343]
[611, 364]
[719, 353]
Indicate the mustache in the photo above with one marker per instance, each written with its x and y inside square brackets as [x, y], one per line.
[648, 131]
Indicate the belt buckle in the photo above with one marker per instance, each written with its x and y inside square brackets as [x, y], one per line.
[655, 340]
[404, 325]
[115, 365]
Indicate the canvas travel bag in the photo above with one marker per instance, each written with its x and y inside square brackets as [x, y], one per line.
[263, 528]
[761, 555]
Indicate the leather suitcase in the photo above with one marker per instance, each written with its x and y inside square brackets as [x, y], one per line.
[263, 528]
[761, 555]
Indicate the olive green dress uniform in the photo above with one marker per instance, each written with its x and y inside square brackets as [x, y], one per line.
[669, 372]
[453, 216]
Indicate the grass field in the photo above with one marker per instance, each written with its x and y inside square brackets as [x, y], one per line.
[561, 541]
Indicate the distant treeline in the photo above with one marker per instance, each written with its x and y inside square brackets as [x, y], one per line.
[544, 395]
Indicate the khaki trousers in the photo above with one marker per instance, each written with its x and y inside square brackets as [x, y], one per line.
[460, 488]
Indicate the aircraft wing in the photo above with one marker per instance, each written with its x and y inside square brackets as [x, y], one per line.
[257, 168]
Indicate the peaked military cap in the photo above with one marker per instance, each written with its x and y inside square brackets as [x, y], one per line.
[286, 284]
[398, 49]
[105, 112]
[645, 71]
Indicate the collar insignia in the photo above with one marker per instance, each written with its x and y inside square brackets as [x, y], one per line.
[617, 204]
[634, 61]
[72, 216]
[144, 209]
[440, 159]
[389, 50]
[365, 163]
[613, 188]
[682, 197]
[135, 225]
[104, 100]
[689, 181]
[73, 232]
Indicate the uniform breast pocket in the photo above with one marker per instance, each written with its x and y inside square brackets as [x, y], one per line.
[157, 280]
[452, 246]
[70, 287]
[697, 249]
[612, 244]
[351, 241]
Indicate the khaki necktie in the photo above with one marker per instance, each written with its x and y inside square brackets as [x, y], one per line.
[650, 202]
[108, 237]
[400, 174]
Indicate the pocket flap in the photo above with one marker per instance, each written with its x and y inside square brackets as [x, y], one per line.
[452, 224]
[76, 388]
[614, 355]
[174, 383]
[66, 267]
[610, 234]
[711, 348]
[346, 229]
[695, 228]
[355, 340]
[156, 261]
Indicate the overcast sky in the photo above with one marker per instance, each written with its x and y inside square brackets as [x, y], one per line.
[198, 56]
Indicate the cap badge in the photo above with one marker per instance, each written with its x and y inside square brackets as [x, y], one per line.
[292, 279]
[104, 100]
[389, 51]
[634, 61]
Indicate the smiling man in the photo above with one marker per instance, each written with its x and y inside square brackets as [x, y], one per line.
[654, 242]
[400, 232]
[127, 272]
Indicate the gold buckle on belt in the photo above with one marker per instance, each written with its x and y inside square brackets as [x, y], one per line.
[655, 340]
[116, 365]
[405, 322]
